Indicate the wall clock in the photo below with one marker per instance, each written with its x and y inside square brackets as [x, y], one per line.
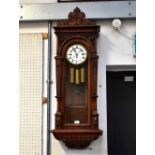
[76, 119]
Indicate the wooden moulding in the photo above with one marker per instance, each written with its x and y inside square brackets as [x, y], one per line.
[44, 100]
[45, 35]
[77, 139]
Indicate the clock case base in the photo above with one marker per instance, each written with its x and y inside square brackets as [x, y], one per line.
[77, 139]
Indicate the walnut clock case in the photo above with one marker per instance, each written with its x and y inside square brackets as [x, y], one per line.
[76, 119]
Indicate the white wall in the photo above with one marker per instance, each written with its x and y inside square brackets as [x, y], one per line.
[113, 49]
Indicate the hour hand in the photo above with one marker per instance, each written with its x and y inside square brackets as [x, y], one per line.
[74, 50]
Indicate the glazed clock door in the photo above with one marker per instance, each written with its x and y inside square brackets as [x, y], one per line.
[76, 85]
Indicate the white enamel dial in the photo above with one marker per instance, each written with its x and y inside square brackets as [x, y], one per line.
[76, 54]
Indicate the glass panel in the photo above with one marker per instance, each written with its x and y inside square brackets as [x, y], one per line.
[76, 93]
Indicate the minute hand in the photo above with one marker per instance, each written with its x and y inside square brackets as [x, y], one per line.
[80, 50]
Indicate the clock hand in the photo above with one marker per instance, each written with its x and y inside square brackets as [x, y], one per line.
[76, 53]
[80, 50]
[74, 50]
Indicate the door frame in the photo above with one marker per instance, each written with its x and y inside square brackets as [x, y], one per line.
[115, 68]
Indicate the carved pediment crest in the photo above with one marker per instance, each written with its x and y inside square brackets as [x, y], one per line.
[76, 18]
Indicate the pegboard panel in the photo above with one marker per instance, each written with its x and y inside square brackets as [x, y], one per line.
[30, 67]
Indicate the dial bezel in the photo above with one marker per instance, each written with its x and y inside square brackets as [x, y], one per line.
[73, 62]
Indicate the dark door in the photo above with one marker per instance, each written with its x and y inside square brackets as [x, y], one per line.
[121, 113]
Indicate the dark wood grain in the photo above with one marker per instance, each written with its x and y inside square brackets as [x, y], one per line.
[76, 102]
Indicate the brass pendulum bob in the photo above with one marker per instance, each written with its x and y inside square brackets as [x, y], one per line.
[77, 80]
[71, 75]
[82, 75]
[77, 76]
